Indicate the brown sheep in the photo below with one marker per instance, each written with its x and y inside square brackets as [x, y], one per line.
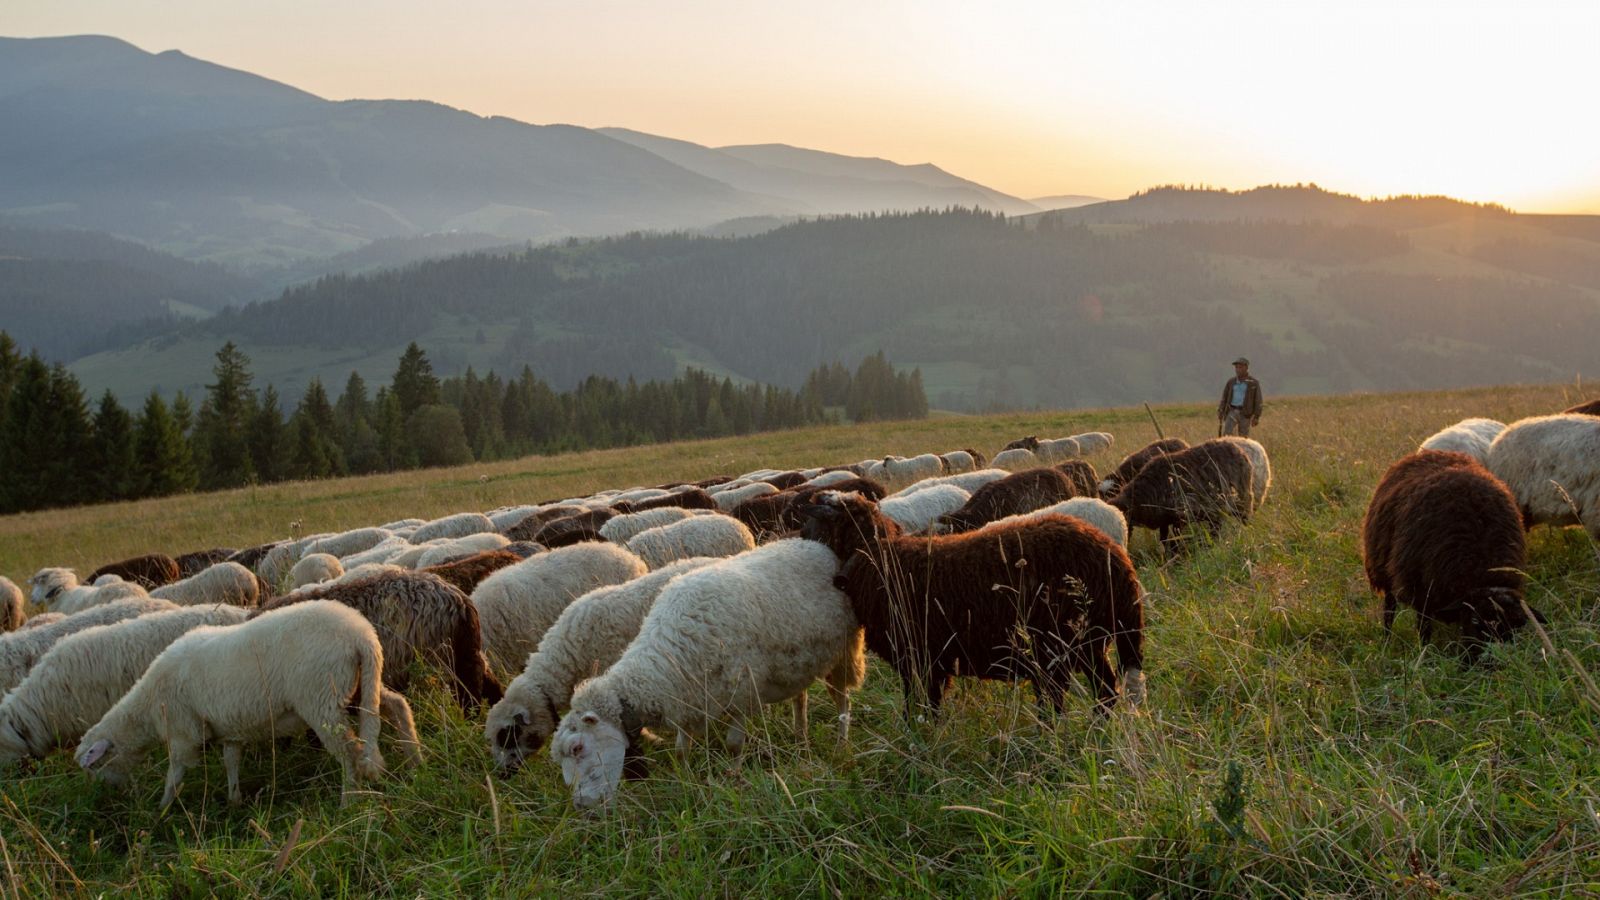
[1032, 600]
[1592, 408]
[979, 460]
[569, 530]
[785, 480]
[763, 515]
[149, 571]
[251, 556]
[465, 573]
[530, 524]
[1444, 536]
[713, 481]
[1012, 495]
[1207, 483]
[200, 560]
[1029, 443]
[1082, 476]
[416, 615]
[1135, 461]
[695, 499]
[793, 515]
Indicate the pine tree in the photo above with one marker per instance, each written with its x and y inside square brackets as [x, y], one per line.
[414, 382]
[269, 438]
[23, 457]
[315, 454]
[68, 441]
[113, 456]
[224, 422]
[165, 465]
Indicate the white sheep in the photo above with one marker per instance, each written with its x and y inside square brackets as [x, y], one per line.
[85, 674]
[348, 542]
[1469, 436]
[458, 525]
[12, 612]
[958, 461]
[1055, 450]
[409, 557]
[1098, 513]
[381, 553]
[1016, 460]
[288, 669]
[519, 602]
[225, 582]
[42, 619]
[834, 477]
[1541, 457]
[585, 640]
[58, 590]
[402, 523]
[638, 495]
[695, 536]
[1091, 442]
[1260, 467]
[313, 568]
[898, 471]
[967, 481]
[457, 548]
[718, 644]
[502, 519]
[275, 565]
[729, 499]
[619, 529]
[20, 649]
[919, 511]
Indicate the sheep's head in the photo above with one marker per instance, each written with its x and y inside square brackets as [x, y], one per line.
[591, 751]
[47, 584]
[844, 521]
[516, 732]
[102, 757]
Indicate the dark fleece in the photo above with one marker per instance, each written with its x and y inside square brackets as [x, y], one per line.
[201, 560]
[695, 499]
[1207, 483]
[149, 571]
[465, 573]
[1136, 460]
[1082, 475]
[1012, 495]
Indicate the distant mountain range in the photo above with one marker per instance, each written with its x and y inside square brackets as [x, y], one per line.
[216, 164]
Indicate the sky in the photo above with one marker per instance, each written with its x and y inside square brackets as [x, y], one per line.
[1487, 101]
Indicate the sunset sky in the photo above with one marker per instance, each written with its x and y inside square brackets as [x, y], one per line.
[1484, 101]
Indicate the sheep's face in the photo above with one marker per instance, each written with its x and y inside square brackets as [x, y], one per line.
[518, 733]
[591, 752]
[105, 760]
[47, 584]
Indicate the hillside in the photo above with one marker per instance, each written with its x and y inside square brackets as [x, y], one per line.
[1289, 746]
[996, 313]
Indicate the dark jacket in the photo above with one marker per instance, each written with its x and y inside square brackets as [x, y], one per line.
[1252, 398]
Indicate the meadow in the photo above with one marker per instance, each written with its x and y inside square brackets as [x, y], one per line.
[1289, 746]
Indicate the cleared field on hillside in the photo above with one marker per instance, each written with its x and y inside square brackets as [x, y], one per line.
[1288, 746]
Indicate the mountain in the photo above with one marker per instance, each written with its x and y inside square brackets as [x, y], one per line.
[1064, 201]
[1277, 203]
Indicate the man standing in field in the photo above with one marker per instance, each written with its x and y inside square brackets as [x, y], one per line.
[1240, 408]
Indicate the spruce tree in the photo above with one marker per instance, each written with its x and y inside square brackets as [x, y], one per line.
[223, 426]
[23, 456]
[269, 438]
[113, 456]
[415, 385]
[165, 465]
[68, 441]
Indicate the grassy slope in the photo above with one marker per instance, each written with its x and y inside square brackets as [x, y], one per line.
[1288, 747]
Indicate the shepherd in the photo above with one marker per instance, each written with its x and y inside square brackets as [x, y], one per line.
[1240, 407]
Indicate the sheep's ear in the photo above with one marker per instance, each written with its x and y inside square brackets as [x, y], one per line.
[589, 718]
[96, 751]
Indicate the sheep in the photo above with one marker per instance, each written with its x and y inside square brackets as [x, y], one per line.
[586, 638]
[1102, 515]
[713, 481]
[58, 591]
[20, 649]
[1029, 443]
[506, 517]
[1135, 461]
[109, 578]
[958, 461]
[416, 616]
[1542, 457]
[530, 524]
[1444, 536]
[191, 564]
[569, 530]
[225, 583]
[833, 477]
[1469, 436]
[728, 500]
[1206, 483]
[1055, 450]
[379, 553]
[275, 564]
[1016, 459]
[1019, 493]
[468, 572]
[690, 498]
[460, 548]
[408, 558]
[718, 644]
[278, 674]
[906, 471]
[764, 515]
[41, 619]
[1591, 408]
[967, 481]
[699, 536]
[1260, 467]
[517, 603]
[640, 495]
[12, 612]
[620, 528]
[1091, 442]
[785, 480]
[458, 525]
[85, 674]
[348, 542]
[149, 571]
[251, 557]
[313, 568]
[399, 524]
[1034, 600]
[1082, 476]
[922, 510]
[524, 549]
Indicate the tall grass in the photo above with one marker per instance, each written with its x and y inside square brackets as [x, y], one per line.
[1288, 746]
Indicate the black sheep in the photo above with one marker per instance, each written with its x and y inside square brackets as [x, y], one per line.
[569, 530]
[1029, 443]
[1082, 476]
[149, 571]
[1207, 483]
[1012, 495]
[1592, 408]
[1033, 600]
[1135, 461]
[200, 560]
[690, 499]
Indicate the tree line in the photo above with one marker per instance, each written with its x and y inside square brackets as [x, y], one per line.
[57, 450]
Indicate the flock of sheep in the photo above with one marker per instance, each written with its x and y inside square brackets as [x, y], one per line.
[687, 605]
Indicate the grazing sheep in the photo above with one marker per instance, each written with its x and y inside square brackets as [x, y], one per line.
[699, 536]
[586, 639]
[524, 549]
[967, 603]
[191, 564]
[399, 524]
[967, 481]
[20, 649]
[380, 553]
[409, 557]
[713, 481]
[1019, 493]
[314, 568]
[1029, 443]
[275, 565]
[729, 500]
[1260, 467]
[458, 525]
[1469, 436]
[468, 572]
[530, 524]
[58, 591]
[1443, 536]
[506, 517]
[85, 674]
[460, 548]
[791, 519]
[639, 495]
[12, 613]
[922, 510]
[1054, 450]
[225, 583]
[718, 644]
[1016, 459]
[348, 542]
[1135, 461]
[569, 530]
[833, 477]
[689, 498]
[251, 557]
[1541, 457]
[764, 515]
[417, 616]
[517, 603]
[149, 571]
[1206, 483]
[1082, 476]
[785, 480]
[1091, 442]
[278, 674]
[1591, 408]
[1094, 511]
[897, 471]
[619, 529]
[41, 619]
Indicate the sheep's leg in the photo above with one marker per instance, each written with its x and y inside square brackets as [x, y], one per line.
[1104, 678]
[1425, 627]
[396, 713]
[336, 734]
[841, 702]
[180, 756]
[1388, 610]
[735, 738]
[802, 723]
[231, 753]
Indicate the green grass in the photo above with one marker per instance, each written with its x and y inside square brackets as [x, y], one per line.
[1289, 746]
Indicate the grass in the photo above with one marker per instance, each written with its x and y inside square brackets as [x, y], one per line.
[1289, 746]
